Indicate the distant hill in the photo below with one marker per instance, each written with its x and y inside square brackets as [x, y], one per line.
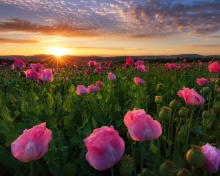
[85, 59]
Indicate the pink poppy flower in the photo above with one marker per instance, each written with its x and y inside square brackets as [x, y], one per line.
[171, 66]
[92, 63]
[86, 72]
[81, 89]
[32, 144]
[202, 81]
[111, 76]
[139, 62]
[212, 158]
[141, 126]
[31, 74]
[18, 64]
[37, 67]
[138, 80]
[96, 71]
[212, 79]
[191, 97]
[99, 83]
[46, 75]
[214, 67]
[92, 88]
[141, 68]
[129, 61]
[105, 148]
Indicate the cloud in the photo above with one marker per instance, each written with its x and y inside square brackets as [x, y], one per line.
[19, 25]
[156, 18]
[205, 46]
[214, 36]
[118, 18]
[18, 41]
[106, 48]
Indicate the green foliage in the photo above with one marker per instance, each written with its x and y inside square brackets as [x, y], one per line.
[73, 117]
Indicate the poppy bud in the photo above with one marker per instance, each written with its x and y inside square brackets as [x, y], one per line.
[217, 81]
[183, 172]
[175, 104]
[216, 106]
[165, 114]
[158, 99]
[126, 167]
[205, 114]
[160, 87]
[168, 168]
[183, 112]
[205, 91]
[195, 157]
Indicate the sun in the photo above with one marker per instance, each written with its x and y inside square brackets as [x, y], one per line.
[58, 52]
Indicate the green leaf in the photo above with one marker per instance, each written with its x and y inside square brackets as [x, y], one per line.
[153, 147]
[7, 160]
[69, 169]
[196, 129]
[94, 123]
[76, 140]
[99, 96]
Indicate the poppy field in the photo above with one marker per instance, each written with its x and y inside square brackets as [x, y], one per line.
[97, 119]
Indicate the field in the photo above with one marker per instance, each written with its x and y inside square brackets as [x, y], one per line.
[168, 94]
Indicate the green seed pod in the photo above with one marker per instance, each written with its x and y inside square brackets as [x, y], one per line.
[167, 168]
[183, 112]
[158, 99]
[195, 157]
[216, 107]
[217, 81]
[176, 119]
[160, 88]
[205, 91]
[126, 167]
[184, 172]
[175, 104]
[205, 114]
[165, 114]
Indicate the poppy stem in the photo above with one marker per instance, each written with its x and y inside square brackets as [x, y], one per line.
[189, 126]
[133, 148]
[206, 173]
[32, 168]
[112, 171]
[142, 156]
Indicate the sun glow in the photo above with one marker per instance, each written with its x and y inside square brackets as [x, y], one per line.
[58, 52]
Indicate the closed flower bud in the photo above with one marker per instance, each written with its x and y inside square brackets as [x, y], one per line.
[217, 81]
[177, 119]
[160, 87]
[175, 104]
[195, 157]
[158, 99]
[126, 167]
[168, 168]
[165, 114]
[183, 112]
[183, 172]
[205, 114]
[205, 91]
[216, 107]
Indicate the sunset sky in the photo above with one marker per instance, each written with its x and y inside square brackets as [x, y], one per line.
[109, 27]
